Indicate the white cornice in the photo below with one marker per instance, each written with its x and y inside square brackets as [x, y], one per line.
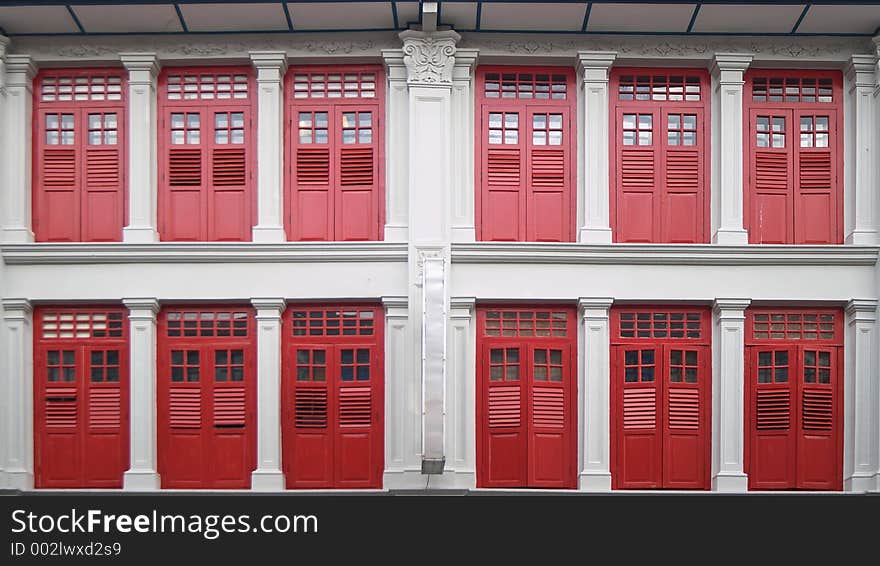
[167, 252]
[662, 254]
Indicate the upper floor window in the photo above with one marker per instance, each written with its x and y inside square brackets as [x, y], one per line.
[659, 156]
[79, 155]
[206, 136]
[525, 144]
[793, 153]
[335, 153]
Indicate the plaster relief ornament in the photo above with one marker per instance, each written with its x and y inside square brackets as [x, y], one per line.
[429, 58]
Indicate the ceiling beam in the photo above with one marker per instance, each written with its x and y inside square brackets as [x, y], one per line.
[287, 16]
[803, 15]
[75, 18]
[180, 17]
[587, 16]
[479, 14]
[694, 16]
[394, 15]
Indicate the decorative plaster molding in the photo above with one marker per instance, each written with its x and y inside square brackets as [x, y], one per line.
[589, 306]
[429, 57]
[275, 306]
[395, 307]
[145, 308]
[168, 252]
[422, 255]
[862, 310]
[14, 308]
[862, 70]
[731, 309]
[663, 254]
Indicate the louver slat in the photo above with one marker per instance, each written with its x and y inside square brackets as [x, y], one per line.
[61, 407]
[637, 170]
[356, 167]
[229, 407]
[310, 407]
[773, 410]
[771, 171]
[639, 409]
[59, 168]
[229, 167]
[504, 406]
[817, 410]
[102, 168]
[503, 167]
[185, 168]
[683, 171]
[548, 169]
[104, 407]
[684, 409]
[549, 407]
[354, 406]
[815, 171]
[312, 166]
[185, 408]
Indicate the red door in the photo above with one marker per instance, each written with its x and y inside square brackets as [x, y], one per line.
[80, 397]
[661, 386]
[526, 396]
[206, 389]
[794, 383]
[333, 397]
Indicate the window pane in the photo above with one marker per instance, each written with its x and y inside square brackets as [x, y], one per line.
[690, 121]
[629, 121]
[541, 373]
[631, 375]
[781, 375]
[555, 374]
[540, 356]
[809, 375]
[645, 138]
[513, 355]
[675, 374]
[690, 375]
[645, 121]
[674, 122]
[494, 120]
[648, 373]
[691, 358]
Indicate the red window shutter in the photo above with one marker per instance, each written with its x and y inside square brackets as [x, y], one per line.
[61, 407]
[335, 141]
[639, 408]
[104, 407]
[504, 406]
[770, 219]
[816, 216]
[185, 407]
[684, 409]
[208, 188]
[548, 207]
[659, 166]
[310, 408]
[79, 155]
[355, 406]
[229, 406]
[503, 206]
[773, 409]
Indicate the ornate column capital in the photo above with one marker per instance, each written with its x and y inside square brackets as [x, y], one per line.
[20, 71]
[429, 57]
[595, 65]
[270, 65]
[730, 67]
[141, 67]
[861, 70]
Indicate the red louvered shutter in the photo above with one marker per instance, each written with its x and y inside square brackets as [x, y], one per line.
[81, 393]
[549, 405]
[639, 426]
[771, 144]
[336, 153]
[818, 462]
[79, 156]
[659, 164]
[815, 212]
[311, 429]
[208, 188]
[548, 210]
[686, 432]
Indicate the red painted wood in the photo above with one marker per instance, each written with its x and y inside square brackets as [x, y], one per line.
[81, 397]
[333, 396]
[794, 190]
[207, 144]
[794, 388]
[206, 397]
[526, 395]
[79, 165]
[661, 397]
[524, 151]
[659, 188]
[335, 153]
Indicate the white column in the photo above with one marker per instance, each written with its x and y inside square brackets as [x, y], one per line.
[861, 425]
[860, 192]
[402, 398]
[460, 393]
[270, 66]
[463, 192]
[15, 176]
[143, 69]
[268, 475]
[727, 148]
[18, 370]
[4, 42]
[142, 475]
[728, 366]
[595, 474]
[396, 144]
[594, 204]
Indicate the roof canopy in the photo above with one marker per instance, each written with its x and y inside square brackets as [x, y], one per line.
[707, 17]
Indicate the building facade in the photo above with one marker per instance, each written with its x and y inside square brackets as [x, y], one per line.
[352, 245]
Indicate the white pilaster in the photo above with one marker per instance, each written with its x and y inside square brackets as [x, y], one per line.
[18, 370]
[4, 43]
[143, 69]
[270, 66]
[860, 193]
[463, 193]
[727, 148]
[728, 365]
[15, 175]
[861, 425]
[142, 474]
[268, 475]
[595, 473]
[594, 206]
[396, 144]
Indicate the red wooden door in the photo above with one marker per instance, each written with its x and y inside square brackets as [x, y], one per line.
[81, 394]
[793, 184]
[207, 182]
[527, 395]
[524, 151]
[794, 384]
[79, 156]
[661, 388]
[333, 397]
[659, 160]
[335, 154]
[206, 389]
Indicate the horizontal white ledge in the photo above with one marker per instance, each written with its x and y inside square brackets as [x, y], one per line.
[177, 252]
[662, 254]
